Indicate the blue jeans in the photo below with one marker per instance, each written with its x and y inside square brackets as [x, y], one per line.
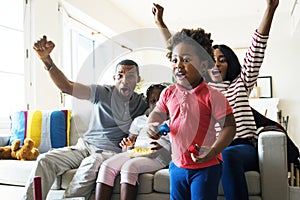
[194, 184]
[237, 160]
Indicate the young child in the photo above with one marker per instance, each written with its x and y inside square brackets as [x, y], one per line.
[193, 108]
[128, 167]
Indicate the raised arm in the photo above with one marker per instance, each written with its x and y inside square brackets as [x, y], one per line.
[43, 48]
[265, 25]
[158, 11]
[255, 54]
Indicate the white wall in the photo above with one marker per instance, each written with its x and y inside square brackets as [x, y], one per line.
[45, 21]
[281, 61]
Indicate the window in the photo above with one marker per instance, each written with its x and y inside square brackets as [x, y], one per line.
[79, 43]
[12, 61]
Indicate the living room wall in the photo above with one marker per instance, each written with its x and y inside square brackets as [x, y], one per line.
[281, 60]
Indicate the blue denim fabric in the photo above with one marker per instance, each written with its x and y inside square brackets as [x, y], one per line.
[237, 160]
[194, 184]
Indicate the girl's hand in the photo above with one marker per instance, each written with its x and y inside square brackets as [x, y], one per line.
[152, 130]
[126, 142]
[156, 146]
[204, 154]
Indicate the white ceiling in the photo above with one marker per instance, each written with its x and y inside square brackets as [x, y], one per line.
[229, 21]
[182, 13]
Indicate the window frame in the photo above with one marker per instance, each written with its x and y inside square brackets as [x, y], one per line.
[75, 24]
[5, 118]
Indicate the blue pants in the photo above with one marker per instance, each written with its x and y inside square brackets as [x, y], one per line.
[237, 160]
[194, 184]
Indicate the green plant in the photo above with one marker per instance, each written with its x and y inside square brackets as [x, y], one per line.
[139, 85]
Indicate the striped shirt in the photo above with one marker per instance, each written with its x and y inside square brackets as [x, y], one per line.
[237, 92]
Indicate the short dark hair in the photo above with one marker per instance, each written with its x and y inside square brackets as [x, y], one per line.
[234, 66]
[129, 62]
[193, 36]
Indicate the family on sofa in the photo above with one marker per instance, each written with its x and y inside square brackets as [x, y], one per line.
[198, 80]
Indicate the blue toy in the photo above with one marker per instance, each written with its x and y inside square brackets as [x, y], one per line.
[163, 129]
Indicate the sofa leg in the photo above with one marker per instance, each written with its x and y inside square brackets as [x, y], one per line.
[128, 192]
[103, 192]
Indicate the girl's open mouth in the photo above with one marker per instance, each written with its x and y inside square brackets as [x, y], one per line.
[180, 76]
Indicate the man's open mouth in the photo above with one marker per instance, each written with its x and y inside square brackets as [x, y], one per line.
[125, 91]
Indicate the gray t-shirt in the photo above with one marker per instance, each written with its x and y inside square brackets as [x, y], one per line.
[112, 117]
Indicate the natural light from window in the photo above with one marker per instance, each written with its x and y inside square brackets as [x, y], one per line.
[12, 59]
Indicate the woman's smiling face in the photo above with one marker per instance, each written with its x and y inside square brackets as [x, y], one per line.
[186, 65]
[219, 71]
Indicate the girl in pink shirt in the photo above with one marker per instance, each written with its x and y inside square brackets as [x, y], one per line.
[193, 108]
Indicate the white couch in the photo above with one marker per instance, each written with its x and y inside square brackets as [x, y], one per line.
[270, 184]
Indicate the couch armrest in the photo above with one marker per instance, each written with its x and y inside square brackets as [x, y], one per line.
[4, 140]
[272, 156]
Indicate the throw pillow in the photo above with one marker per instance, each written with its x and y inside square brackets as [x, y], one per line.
[48, 129]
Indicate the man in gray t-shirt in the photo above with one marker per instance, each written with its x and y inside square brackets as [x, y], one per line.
[114, 109]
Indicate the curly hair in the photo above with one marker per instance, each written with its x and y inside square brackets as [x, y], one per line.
[196, 37]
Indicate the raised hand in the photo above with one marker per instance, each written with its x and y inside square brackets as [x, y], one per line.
[272, 3]
[43, 47]
[158, 11]
[266, 22]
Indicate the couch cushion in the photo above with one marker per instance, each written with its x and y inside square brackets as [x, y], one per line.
[253, 182]
[48, 129]
[161, 181]
[4, 139]
[145, 182]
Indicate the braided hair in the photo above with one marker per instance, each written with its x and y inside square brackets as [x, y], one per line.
[151, 88]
